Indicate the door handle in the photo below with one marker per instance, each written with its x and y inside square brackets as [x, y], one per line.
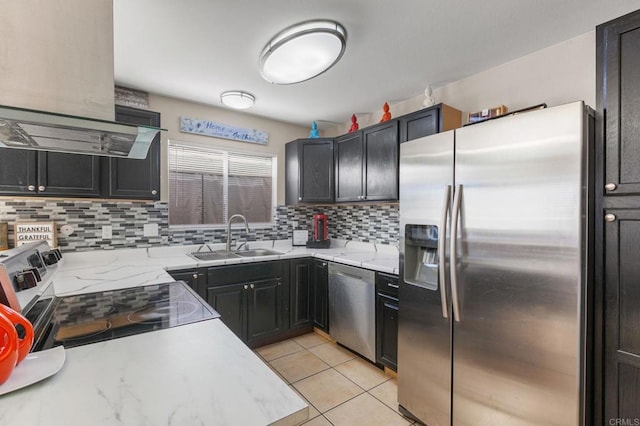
[345, 274]
[457, 197]
[442, 247]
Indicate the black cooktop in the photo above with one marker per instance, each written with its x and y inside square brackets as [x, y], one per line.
[95, 317]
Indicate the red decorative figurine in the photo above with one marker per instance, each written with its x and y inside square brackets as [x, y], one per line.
[354, 124]
[387, 115]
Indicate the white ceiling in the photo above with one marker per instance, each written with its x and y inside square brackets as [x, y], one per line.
[196, 49]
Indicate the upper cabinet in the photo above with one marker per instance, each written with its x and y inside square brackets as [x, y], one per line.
[367, 164]
[428, 121]
[27, 172]
[618, 92]
[55, 174]
[309, 171]
[359, 166]
[137, 179]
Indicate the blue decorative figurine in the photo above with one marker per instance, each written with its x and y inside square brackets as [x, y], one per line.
[314, 131]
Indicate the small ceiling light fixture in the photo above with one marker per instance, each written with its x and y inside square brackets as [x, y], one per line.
[302, 51]
[237, 99]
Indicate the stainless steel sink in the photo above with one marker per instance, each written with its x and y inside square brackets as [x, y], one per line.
[214, 255]
[257, 252]
[223, 254]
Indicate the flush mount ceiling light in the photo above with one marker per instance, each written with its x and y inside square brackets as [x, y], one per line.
[302, 51]
[237, 99]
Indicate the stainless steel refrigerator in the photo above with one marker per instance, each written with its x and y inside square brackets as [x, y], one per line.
[494, 223]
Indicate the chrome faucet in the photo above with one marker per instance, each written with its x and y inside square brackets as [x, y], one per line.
[246, 227]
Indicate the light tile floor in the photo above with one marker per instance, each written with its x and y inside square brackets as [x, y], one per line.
[341, 388]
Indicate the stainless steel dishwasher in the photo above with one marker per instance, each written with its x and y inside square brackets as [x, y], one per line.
[352, 311]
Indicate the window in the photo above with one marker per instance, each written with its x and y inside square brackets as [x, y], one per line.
[207, 186]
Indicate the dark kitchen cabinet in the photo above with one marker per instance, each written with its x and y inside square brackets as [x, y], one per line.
[309, 282]
[129, 178]
[196, 279]
[320, 295]
[366, 164]
[309, 171]
[252, 299]
[622, 313]
[231, 303]
[428, 121]
[300, 282]
[387, 320]
[28, 172]
[617, 222]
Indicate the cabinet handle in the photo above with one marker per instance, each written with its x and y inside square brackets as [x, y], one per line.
[610, 217]
[610, 186]
[41, 188]
[393, 285]
[324, 263]
[246, 287]
[299, 198]
[195, 276]
[252, 286]
[154, 192]
[31, 188]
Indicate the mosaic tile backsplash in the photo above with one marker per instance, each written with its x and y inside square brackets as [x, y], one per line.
[368, 223]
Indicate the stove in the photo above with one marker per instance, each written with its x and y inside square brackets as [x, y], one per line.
[93, 317]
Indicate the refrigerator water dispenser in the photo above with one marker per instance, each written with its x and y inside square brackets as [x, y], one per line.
[421, 256]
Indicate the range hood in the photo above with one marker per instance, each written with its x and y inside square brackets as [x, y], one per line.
[46, 131]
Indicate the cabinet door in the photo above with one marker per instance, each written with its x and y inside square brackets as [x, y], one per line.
[618, 91]
[387, 331]
[196, 279]
[419, 124]
[320, 295]
[68, 174]
[301, 298]
[381, 162]
[266, 308]
[316, 171]
[231, 303]
[348, 151]
[138, 179]
[18, 174]
[622, 315]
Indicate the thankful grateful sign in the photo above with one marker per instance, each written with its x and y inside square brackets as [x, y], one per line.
[35, 231]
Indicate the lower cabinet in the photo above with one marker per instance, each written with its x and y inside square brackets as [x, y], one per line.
[301, 282]
[387, 320]
[252, 299]
[196, 279]
[320, 295]
[309, 294]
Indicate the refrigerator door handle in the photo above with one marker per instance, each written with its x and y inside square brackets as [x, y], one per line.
[442, 245]
[457, 197]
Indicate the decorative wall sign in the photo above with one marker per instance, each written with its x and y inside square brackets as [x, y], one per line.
[219, 130]
[28, 232]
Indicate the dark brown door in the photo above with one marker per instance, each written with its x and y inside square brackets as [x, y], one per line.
[618, 59]
[622, 315]
[381, 162]
[349, 164]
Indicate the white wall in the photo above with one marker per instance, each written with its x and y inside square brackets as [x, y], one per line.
[558, 74]
[171, 109]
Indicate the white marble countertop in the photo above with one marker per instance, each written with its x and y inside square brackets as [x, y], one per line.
[100, 270]
[193, 374]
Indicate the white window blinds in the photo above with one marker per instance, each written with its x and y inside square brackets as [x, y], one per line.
[207, 186]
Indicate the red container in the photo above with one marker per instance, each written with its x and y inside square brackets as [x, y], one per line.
[320, 230]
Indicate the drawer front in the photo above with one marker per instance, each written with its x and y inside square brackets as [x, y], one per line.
[387, 284]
